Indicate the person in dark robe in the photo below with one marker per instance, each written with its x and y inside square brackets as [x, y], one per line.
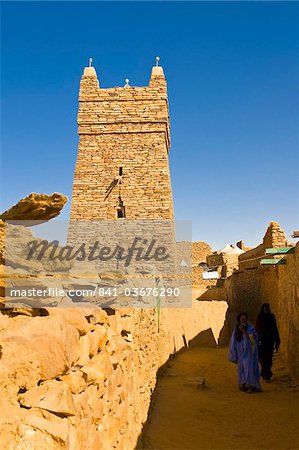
[269, 339]
[243, 350]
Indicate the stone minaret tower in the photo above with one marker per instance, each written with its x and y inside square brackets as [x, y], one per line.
[122, 168]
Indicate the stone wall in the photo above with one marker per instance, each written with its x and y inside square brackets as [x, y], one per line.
[223, 263]
[81, 378]
[274, 237]
[288, 309]
[200, 251]
[248, 286]
[246, 291]
[278, 285]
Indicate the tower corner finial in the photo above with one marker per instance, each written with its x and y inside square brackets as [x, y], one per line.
[157, 74]
[90, 71]
[127, 81]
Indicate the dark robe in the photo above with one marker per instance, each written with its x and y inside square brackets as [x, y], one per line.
[268, 339]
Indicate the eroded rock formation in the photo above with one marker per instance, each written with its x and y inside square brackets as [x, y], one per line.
[35, 208]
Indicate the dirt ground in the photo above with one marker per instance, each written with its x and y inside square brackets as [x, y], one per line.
[188, 415]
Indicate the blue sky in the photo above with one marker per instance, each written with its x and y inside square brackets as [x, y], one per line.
[232, 71]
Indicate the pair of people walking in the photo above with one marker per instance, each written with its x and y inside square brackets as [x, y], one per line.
[250, 345]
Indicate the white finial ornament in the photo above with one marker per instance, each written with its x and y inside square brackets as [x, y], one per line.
[157, 60]
[90, 62]
[127, 82]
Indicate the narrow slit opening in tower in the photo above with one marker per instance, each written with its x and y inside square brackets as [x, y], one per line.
[121, 213]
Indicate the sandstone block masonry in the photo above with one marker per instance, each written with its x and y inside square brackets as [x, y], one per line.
[78, 379]
[253, 284]
[122, 167]
[278, 285]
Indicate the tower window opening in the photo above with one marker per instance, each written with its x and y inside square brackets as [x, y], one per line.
[120, 171]
[120, 212]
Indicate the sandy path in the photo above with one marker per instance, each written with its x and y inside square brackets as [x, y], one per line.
[219, 416]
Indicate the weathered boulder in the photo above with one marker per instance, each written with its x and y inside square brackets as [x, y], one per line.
[99, 316]
[75, 380]
[74, 317]
[98, 339]
[48, 424]
[84, 350]
[20, 435]
[98, 369]
[52, 395]
[39, 348]
[81, 403]
[95, 402]
[91, 343]
[35, 208]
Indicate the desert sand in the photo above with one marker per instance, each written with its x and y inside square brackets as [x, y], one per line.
[187, 414]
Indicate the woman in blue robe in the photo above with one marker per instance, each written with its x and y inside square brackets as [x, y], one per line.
[243, 350]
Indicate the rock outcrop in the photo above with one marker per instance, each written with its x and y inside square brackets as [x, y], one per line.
[35, 208]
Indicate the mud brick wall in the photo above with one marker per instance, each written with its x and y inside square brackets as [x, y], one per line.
[200, 252]
[278, 285]
[288, 309]
[274, 237]
[246, 291]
